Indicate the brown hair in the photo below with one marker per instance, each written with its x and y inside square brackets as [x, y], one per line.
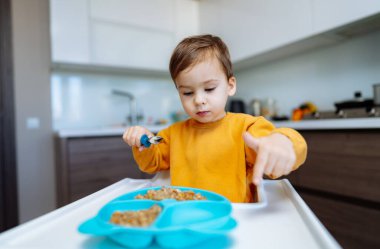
[195, 49]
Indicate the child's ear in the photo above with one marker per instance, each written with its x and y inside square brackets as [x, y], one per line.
[231, 86]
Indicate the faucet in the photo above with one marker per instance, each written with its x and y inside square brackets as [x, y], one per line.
[132, 104]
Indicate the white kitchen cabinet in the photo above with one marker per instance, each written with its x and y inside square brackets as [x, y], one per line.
[329, 14]
[122, 33]
[133, 34]
[251, 27]
[257, 31]
[69, 31]
[132, 47]
[155, 15]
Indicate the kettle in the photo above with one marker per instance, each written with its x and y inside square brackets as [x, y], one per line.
[237, 106]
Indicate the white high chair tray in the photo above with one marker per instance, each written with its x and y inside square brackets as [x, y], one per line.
[281, 219]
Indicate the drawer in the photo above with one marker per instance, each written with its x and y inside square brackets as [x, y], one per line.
[342, 162]
[95, 144]
[352, 225]
[86, 165]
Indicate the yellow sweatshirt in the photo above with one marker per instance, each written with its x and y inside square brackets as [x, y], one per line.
[213, 156]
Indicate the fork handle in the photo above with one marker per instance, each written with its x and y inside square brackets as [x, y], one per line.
[144, 140]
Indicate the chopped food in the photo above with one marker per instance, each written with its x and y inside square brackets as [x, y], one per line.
[171, 193]
[139, 218]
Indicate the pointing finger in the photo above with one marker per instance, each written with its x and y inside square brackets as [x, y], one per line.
[251, 142]
[259, 167]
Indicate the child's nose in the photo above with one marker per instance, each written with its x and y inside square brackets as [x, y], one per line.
[200, 99]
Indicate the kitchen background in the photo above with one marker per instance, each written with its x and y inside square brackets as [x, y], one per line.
[70, 55]
[323, 76]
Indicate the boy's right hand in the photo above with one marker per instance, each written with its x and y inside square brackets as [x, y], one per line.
[133, 135]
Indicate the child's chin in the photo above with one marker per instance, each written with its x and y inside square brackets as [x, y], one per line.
[204, 119]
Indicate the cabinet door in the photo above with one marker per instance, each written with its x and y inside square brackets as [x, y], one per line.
[69, 31]
[120, 33]
[342, 162]
[133, 34]
[251, 27]
[329, 14]
[95, 163]
[353, 226]
[130, 46]
[154, 15]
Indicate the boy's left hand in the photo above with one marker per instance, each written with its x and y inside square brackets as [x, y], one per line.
[275, 155]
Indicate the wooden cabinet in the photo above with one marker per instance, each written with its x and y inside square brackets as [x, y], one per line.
[340, 181]
[352, 224]
[86, 165]
[137, 35]
[343, 162]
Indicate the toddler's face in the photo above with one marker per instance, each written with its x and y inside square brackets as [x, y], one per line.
[204, 90]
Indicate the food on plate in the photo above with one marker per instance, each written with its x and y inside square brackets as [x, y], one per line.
[139, 218]
[171, 193]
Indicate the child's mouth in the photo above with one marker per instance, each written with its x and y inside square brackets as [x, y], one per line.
[202, 114]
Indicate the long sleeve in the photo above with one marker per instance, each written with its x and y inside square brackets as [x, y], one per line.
[156, 157]
[261, 127]
[257, 127]
[213, 156]
[299, 145]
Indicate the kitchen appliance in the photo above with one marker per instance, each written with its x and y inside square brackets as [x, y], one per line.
[357, 107]
[237, 106]
[376, 94]
[357, 103]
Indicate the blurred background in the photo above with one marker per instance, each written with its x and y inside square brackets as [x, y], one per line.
[75, 73]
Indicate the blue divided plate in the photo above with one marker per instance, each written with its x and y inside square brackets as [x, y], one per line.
[211, 196]
[180, 223]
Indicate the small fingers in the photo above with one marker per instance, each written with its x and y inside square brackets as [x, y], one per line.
[133, 135]
[282, 167]
[260, 164]
[288, 161]
[289, 167]
[251, 141]
[270, 166]
[136, 138]
[127, 135]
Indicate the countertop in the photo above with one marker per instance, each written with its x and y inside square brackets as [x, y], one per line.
[332, 124]
[284, 222]
[103, 131]
[323, 124]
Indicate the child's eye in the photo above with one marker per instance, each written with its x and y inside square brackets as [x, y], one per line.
[187, 93]
[210, 89]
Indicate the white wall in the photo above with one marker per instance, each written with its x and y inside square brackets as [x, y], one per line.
[323, 76]
[84, 100]
[35, 162]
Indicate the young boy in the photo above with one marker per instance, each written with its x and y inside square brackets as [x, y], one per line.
[214, 150]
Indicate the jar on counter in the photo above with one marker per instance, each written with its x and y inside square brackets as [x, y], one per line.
[255, 107]
[268, 108]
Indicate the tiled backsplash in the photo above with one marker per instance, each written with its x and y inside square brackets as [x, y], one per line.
[84, 100]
